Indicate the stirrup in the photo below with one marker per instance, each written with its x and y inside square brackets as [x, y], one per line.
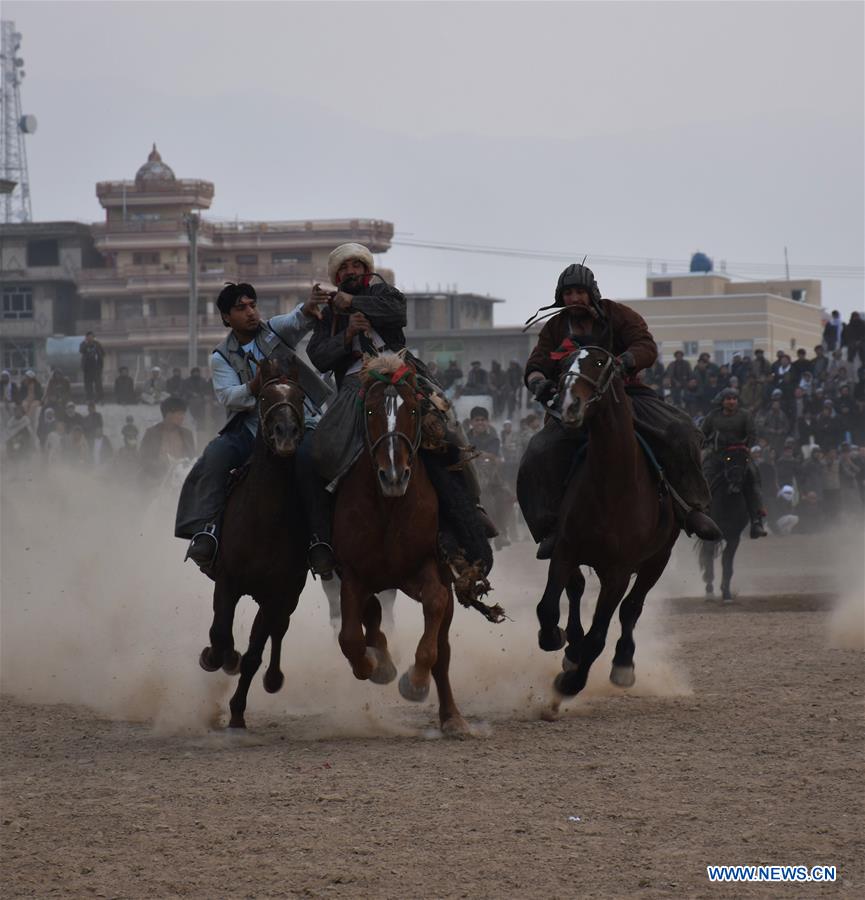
[202, 561]
[322, 562]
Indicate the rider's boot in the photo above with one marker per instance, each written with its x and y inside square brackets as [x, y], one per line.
[697, 522]
[488, 525]
[757, 528]
[321, 559]
[202, 548]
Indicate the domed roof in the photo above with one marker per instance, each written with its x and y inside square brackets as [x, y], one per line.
[701, 263]
[154, 172]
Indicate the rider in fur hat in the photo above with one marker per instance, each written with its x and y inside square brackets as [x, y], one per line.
[588, 318]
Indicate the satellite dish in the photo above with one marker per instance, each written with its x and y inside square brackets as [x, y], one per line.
[27, 124]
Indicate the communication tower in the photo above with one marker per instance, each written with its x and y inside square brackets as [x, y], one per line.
[14, 180]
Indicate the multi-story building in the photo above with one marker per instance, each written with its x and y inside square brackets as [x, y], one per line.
[708, 312]
[142, 293]
[40, 264]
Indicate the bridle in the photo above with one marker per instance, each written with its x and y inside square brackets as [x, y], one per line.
[601, 384]
[264, 414]
[391, 383]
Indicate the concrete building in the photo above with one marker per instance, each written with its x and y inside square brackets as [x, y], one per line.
[40, 265]
[707, 312]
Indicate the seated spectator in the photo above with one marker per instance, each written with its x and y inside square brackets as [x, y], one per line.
[801, 365]
[477, 383]
[92, 422]
[29, 391]
[787, 466]
[831, 485]
[826, 427]
[55, 443]
[154, 388]
[820, 363]
[124, 388]
[76, 450]
[174, 385]
[130, 430]
[72, 418]
[58, 391]
[103, 452]
[47, 424]
[19, 438]
[165, 443]
[773, 423]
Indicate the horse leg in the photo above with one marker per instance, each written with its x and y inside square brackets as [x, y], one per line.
[353, 599]
[332, 589]
[279, 616]
[221, 652]
[613, 586]
[727, 567]
[550, 636]
[430, 591]
[452, 722]
[707, 564]
[376, 643]
[387, 600]
[622, 673]
[248, 667]
[574, 588]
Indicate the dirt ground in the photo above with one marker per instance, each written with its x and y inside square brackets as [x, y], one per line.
[742, 743]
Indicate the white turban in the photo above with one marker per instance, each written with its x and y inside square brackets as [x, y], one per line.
[345, 252]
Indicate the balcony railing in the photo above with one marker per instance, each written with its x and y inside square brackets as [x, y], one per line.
[149, 324]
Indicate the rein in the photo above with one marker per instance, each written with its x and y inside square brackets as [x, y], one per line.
[599, 385]
[391, 381]
[263, 414]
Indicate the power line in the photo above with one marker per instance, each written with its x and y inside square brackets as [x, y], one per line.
[643, 262]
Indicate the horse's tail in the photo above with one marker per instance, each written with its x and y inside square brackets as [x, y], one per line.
[716, 547]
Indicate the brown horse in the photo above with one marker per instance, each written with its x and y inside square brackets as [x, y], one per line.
[385, 536]
[263, 545]
[614, 517]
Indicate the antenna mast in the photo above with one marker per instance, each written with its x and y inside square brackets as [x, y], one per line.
[14, 179]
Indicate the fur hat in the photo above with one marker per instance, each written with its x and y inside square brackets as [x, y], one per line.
[345, 252]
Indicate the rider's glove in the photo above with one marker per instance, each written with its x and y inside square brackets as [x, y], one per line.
[626, 362]
[544, 389]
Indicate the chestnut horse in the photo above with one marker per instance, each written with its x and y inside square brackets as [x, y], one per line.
[262, 549]
[386, 536]
[614, 517]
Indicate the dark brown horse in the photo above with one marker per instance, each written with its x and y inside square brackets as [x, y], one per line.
[263, 545]
[613, 518]
[385, 536]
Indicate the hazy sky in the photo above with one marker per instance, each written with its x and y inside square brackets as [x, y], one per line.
[640, 130]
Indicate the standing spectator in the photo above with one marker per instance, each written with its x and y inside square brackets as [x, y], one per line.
[679, 371]
[826, 428]
[195, 392]
[453, 374]
[801, 365]
[167, 441]
[174, 385]
[478, 382]
[29, 391]
[498, 388]
[124, 388]
[92, 362]
[851, 476]
[760, 365]
[773, 423]
[831, 484]
[787, 466]
[805, 430]
[58, 391]
[832, 332]
[709, 392]
[653, 377]
[92, 422]
[753, 391]
[836, 362]
[515, 387]
[102, 451]
[853, 338]
[19, 438]
[511, 452]
[820, 363]
[811, 474]
[724, 376]
[8, 391]
[693, 399]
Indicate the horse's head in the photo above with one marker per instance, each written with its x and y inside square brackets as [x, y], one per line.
[280, 408]
[735, 460]
[392, 419]
[587, 375]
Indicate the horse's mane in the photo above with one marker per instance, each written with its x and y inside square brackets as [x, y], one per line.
[384, 364]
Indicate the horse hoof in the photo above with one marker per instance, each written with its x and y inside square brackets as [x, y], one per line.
[205, 660]
[231, 666]
[456, 727]
[273, 681]
[710, 590]
[237, 722]
[410, 692]
[568, 665]
[384, 671]
[552, 639]
[726, 594]
[622, 676]
[564, 684]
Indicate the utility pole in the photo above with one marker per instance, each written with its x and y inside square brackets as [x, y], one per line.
[192, 224]
[786, 264]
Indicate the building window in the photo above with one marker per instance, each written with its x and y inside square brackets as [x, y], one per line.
[18, 302]
[18, 356]
[268, 306]
[43, 253]
[691, 348]
[142, 258]
[662, 288]
[726, 350]
[422, 313]
[247, 259]
[287, 257]
[799, 294]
